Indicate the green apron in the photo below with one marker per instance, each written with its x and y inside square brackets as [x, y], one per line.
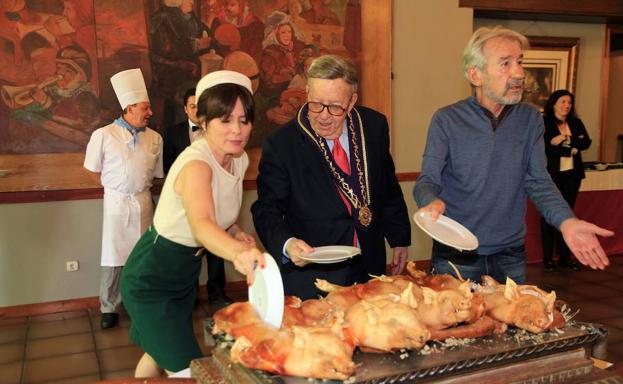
[158, 289]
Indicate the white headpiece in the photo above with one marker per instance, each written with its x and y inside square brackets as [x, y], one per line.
[222, 77]
[129, 87]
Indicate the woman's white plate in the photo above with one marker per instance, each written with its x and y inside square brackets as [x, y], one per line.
[446, 231]
[331, 254]
[266, 293]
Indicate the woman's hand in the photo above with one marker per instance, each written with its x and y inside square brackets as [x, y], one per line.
[245, 262]
[556, 140]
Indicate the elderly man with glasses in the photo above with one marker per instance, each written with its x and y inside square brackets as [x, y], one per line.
[327, 178]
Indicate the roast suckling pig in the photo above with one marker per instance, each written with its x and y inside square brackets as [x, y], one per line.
[317, 337]
[524, 306]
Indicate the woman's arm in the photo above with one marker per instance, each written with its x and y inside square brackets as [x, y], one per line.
[193, 184]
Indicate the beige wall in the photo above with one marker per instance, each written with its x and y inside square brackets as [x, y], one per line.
[588, 90]
[614, 117]
[428, 42]
[426, 64]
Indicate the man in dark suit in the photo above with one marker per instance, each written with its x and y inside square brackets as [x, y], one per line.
[327, 178]
[179, 136]
[176, 139]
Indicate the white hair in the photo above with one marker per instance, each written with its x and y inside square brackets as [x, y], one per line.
[473, 54]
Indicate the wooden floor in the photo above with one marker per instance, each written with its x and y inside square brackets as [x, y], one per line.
[70, 347]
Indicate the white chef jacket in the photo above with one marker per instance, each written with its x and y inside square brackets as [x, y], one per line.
[127, 171]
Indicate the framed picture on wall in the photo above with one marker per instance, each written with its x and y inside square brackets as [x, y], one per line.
[550, 64]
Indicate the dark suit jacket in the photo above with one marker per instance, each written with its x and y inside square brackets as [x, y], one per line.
[297, 197]
[175, 141]
[579, 140]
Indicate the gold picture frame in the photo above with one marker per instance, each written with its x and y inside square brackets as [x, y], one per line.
[550, 64]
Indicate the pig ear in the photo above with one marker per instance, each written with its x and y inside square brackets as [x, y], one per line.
[372, 312]
[465, 289]
[429, 295]
[489, 281]
[550, 300]
[511, 291]
[407, 297]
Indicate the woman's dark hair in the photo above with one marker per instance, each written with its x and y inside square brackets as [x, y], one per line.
[548, 112]
[219, 101]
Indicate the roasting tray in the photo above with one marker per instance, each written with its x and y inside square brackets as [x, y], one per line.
[436, 360]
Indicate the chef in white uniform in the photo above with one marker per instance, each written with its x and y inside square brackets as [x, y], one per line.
[126, 155]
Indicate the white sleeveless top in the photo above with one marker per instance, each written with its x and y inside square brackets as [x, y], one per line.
[170, 219]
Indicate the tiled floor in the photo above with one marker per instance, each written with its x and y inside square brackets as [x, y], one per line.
[70, 347]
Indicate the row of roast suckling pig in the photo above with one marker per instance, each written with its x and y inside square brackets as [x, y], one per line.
[387, 314]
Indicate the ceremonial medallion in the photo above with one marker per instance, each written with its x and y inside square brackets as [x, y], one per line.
[365, 216]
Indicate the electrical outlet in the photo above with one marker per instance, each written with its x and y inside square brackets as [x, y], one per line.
[72, 266]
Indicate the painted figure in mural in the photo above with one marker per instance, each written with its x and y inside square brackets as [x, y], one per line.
[251, 28]
[282, 43]
[295, 95]
[69, 97]
[320, 13]
[64, 104]
[50, 85]
[176, 38]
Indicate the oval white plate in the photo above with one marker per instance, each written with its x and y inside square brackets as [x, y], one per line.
[446, 231]
[331, 254]
[266, 293]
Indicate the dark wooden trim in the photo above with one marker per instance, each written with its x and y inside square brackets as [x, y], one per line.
[85, 303]
[97, 193]
[50, 307]
[407, 176]
[583, 11]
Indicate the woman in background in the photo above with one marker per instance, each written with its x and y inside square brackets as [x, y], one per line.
[565, 138]
[198, 207]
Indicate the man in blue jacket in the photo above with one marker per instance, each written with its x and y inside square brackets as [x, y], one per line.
[483, 156]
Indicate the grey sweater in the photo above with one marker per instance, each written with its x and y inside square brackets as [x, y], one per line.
[484, 175]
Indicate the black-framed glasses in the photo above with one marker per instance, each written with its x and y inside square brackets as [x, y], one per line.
[334, 109]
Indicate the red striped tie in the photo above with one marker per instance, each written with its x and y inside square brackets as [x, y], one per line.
[339, 155]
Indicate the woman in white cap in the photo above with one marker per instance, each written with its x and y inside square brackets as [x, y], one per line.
[198, 207]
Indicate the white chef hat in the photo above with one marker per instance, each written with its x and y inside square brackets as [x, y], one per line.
[222, 77]
[129, 87]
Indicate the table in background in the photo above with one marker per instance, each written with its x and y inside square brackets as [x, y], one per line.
[600, 202]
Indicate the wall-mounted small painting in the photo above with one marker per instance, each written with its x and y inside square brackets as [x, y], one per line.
[550, 64]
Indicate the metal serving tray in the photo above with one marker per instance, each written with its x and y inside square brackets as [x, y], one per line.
[436, 360]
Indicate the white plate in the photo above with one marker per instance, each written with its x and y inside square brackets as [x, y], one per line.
[446, 231]
[331, 254]
[266, 293]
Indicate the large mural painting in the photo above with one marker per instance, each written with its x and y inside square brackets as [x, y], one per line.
[57, 56]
